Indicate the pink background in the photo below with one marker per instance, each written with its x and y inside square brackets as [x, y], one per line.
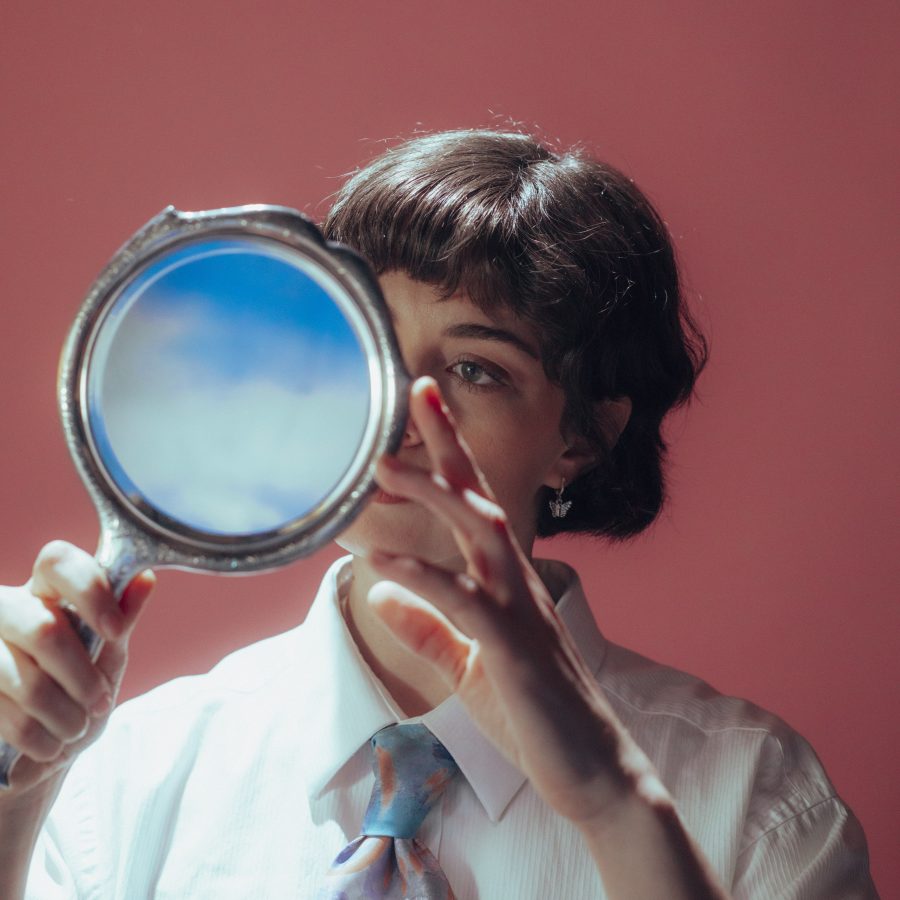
[764, 131]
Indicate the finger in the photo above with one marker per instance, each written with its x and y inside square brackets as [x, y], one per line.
[25, 733]
[42, 630]
[529, 663]
[457, 597]
[448, 452]
[480, 526]
[39, 696]
[423, 630]
[443, 495]
[509, 634]
[66, 573]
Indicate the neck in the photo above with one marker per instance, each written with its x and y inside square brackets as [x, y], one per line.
[413, 684]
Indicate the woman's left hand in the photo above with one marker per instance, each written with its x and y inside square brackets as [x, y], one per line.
[494, 635]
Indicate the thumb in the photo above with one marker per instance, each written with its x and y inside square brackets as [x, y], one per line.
[135, 596]
[114, 654]
[423, 629]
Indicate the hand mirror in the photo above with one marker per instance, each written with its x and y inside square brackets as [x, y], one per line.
[225, 391]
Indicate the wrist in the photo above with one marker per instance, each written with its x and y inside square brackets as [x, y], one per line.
[631, 791]
[639, 798]
[642, 849]
[29, 804]
[22, 816]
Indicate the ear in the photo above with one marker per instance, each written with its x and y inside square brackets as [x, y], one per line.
[611, 416]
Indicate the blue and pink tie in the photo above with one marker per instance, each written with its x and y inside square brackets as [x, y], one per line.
[412, 769]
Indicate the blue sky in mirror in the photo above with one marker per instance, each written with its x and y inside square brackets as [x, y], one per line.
[227, 389]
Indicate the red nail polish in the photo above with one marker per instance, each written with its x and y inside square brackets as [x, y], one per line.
[434, 401]
[379, 557]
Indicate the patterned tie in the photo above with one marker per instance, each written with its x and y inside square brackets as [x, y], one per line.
[412, 769]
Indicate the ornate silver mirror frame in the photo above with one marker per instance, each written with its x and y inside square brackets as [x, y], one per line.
[134, 535]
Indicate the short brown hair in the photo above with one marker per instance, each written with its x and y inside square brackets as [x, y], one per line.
[571, 246]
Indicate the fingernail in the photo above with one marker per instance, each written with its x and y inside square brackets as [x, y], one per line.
[102, 706]
[111, 625]
[435, 402]
[379, 557]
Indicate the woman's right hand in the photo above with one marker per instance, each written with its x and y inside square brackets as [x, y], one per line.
[53, 700]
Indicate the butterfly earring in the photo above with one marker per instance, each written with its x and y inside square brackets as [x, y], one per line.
[558, 506]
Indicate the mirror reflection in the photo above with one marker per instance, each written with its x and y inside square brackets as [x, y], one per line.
[226, 388]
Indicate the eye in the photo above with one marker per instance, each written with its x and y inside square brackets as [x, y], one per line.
[478, 375]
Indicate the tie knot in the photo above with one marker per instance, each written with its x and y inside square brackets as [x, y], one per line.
[412, 769]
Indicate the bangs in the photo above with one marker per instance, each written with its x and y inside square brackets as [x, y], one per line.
[429, 212]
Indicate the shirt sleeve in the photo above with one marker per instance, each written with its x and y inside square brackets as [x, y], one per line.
[110, 815]
[820, 853]
[801, 840]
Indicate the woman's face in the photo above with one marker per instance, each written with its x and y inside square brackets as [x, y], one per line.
[505, 409]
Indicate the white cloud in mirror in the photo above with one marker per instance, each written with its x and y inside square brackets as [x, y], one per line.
[230, 421]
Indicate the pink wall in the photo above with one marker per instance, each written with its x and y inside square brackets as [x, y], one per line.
[765, 133]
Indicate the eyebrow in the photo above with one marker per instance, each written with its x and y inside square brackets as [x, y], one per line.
[489, 333]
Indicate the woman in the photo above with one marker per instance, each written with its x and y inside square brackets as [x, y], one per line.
[536, 295]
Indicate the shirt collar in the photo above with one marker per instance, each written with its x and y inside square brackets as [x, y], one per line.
[341, 704]
[346, 706]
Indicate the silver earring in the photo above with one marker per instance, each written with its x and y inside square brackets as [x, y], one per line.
[558, 507]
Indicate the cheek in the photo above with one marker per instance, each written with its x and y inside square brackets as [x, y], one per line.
[515, 488]
[516, 473]
[514, 452]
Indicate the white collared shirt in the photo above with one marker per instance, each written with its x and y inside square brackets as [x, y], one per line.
[248, 781]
